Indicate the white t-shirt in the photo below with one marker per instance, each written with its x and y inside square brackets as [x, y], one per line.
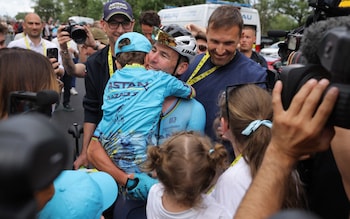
[44, 44]
[210, 208]
[232, 185]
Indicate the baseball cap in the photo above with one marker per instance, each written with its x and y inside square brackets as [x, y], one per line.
[117, 7]
[79, 194]
[138, 43]
[99, 35]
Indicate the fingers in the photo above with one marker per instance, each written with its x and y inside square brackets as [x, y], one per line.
[276, 97]
[300, 97]
[326, 107]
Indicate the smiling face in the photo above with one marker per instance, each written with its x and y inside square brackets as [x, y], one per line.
[222, 43]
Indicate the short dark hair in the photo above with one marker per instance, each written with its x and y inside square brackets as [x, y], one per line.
[150, 18]
[226, 16]
[125, 58]
[201, 36]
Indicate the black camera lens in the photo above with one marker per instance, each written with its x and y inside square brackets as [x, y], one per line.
[78, 34]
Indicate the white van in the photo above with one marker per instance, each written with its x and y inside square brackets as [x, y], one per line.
[199, 14]
[80, 19]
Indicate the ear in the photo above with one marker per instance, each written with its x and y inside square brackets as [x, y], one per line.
[181, 68]
[119, 66]
[224, 125]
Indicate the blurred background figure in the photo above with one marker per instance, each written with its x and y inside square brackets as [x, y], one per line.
[3, 33]
[201, 40]
[247, 41]
[148, 20]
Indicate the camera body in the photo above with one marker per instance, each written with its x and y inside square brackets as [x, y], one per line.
[76, 32]
[332, 54]
[26, 102]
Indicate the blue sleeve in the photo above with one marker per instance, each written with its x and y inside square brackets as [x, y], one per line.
[177, 88]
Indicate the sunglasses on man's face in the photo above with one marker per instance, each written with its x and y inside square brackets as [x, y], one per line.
[202, 48]
[229, 89]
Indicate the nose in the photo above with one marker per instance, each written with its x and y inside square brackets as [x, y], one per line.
[220, 49]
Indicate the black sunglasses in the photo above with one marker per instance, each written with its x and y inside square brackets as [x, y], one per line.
[202, 48]
[230, 88]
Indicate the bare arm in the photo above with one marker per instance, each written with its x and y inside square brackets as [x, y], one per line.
[341, 150]
[70, 67]
[99, 158]
[82, 160]
[296, 132]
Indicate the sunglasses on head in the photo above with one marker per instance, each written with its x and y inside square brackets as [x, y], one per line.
[164, 38]
[229, 89]
[202, 48]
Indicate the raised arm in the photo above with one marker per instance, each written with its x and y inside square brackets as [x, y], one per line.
[298, 131]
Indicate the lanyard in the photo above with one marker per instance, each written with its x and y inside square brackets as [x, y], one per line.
[28, 46]
[236, 160]
[194, 78]
[110, 62]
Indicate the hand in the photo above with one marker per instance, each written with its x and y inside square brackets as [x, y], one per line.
[140, 185]
[301, 130]
[81, 161]
[90, 40]
[63, 37]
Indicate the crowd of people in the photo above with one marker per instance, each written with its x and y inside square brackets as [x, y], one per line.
[179, 122]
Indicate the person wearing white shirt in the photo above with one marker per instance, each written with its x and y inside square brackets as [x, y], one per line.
[33, 41]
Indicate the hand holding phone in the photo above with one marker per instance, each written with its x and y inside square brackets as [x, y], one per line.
[52, 53]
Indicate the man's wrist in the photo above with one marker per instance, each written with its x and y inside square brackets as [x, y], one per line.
[97, 45]
[64, 51]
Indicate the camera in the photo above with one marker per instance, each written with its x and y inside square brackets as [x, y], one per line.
[22, 102]
[33, 153]
[76, 32]
[325, 45]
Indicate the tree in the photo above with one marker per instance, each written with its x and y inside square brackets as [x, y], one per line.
[47, 9]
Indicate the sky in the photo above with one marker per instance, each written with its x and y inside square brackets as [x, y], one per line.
[12, 7]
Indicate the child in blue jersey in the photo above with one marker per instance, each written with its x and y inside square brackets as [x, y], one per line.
[132, 103]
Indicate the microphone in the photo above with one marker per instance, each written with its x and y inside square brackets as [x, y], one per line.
[277, 33]
[314, 34]
[46, 97]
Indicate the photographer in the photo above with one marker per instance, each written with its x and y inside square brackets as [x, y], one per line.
[33, 41]
[291, 139]
[38, 75]
[324, 46]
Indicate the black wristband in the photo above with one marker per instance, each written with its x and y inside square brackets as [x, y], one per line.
[131, 183]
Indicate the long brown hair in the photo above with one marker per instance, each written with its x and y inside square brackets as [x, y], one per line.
[24, 70]
[245, 104]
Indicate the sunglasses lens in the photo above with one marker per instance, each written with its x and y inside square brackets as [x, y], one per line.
[202, 48]
[164, 38]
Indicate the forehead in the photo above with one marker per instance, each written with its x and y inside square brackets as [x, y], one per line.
[33, 18]
[223, 34]
[165, 49]
[248, 31]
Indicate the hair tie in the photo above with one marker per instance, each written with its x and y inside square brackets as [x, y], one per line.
[254, 125]
[211, 151]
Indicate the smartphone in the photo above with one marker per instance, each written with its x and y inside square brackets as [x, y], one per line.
[52, 53]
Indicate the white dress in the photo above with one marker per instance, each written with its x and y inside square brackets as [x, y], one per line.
[209, 208]
[232, 185]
